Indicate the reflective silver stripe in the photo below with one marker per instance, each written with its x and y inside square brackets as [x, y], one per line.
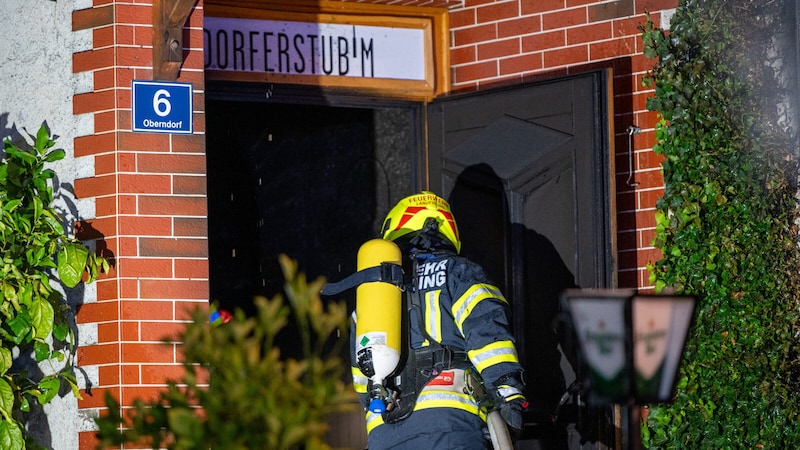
[467, 302]
[494, 353]
[433, 315]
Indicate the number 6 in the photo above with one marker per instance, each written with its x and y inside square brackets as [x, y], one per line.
[161, 105]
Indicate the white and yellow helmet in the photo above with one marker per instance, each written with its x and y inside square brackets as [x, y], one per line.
[408, 217]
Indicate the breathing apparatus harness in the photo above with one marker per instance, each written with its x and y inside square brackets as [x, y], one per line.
[422, 364]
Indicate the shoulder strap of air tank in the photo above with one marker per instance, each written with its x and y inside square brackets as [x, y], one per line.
[385, 272]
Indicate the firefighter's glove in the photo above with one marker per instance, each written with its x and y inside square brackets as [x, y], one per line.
[510, 400]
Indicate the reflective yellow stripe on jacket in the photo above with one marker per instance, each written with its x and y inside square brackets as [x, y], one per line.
[359, 380]
[434, 398]
[494, 353]
[463, 307]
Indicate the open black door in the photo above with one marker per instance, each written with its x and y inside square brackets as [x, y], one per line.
[528, 171]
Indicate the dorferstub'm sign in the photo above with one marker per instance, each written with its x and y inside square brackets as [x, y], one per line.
[314, 49]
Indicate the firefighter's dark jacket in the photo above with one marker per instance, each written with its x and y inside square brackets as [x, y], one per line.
[462, 310]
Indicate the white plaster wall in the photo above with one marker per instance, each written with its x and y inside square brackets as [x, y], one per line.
[36, 86]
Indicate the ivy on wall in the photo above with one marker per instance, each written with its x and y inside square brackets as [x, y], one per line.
[727, 224]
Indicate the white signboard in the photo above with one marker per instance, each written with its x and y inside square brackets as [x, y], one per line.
[314, 49]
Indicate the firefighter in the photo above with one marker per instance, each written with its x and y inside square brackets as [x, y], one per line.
[457, 337]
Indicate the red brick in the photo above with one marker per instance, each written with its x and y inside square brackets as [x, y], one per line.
[564, 19]
[92, 102]
[143, 141]
[92, 60]
[105, 121]
[127, 204]
[174, 289]
[612, 49]
[566, 56]
[189, 184]
[125, 35]
[589, 33]
[544, 41]
[476, 71]
[144, 353]
[172, 206]
[499, 49]
[145, 226]
[134, 56]
[94, 144]
[96, 400]
[646, 237]
[130, 331]
[128, 246]
[126, 162]
[129, 289]
[652, 6]
[108, 375]
[539, 6]
[520, 64]
[159, 374]
[144, 267]
[176, 248]
[125, 77]
[105, 164]
[191, 268]
[610, 10]
[189, 143]
[103, 37]
[144, 393]
[190, 226]
[481, 33]
[107, 332]
[185, 310]
[160, 331]
[134, 14]
[648, 199]
[498, 11]
[143, 35]
[139, 310]
[463, 55]
[97, 354]
[92, 187]
[124, 97]
[106, 290]
[130, 374]
[144, 184]
[199, 119]
[85, 19]
[520, 26]
[171, 163]
[462, 18]
[103, 79]
[98, 311]
[88, 439]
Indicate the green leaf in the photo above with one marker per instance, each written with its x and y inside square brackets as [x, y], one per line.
[11, 435]
[72, 263]
[42, 318]
[41, 351]
[5, 360]
[6, 396]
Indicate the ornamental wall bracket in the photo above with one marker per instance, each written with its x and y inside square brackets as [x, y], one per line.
[169, 17]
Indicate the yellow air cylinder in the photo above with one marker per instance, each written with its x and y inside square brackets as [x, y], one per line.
[378, 313]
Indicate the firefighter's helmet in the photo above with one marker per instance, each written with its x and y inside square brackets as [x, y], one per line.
[411, 214]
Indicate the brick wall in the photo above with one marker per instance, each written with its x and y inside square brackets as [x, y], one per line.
[513, 41]
[150, 193]
[150, 189]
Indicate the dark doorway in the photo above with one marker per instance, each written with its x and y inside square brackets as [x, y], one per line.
[306, 180]
[528, 173]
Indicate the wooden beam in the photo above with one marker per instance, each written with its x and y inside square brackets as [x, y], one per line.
[169, 17]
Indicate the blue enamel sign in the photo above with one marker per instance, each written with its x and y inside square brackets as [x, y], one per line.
[161, 107]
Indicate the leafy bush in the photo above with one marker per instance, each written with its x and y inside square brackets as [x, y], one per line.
[239, 391]
[726, 226]
[35, 251]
